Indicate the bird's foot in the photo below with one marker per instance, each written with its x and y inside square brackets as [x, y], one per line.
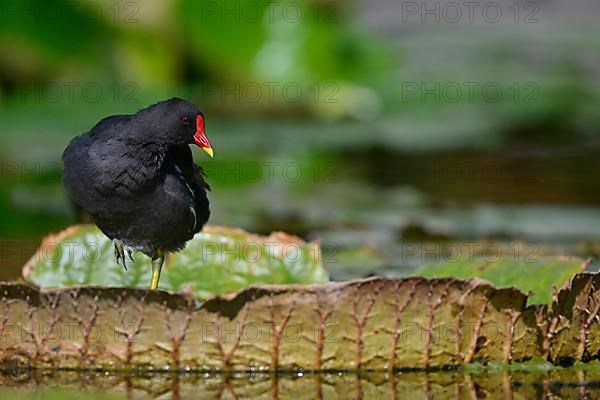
[120, 253]
[129, 254]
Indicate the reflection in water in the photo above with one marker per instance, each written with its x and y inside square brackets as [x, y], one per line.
[559, 383]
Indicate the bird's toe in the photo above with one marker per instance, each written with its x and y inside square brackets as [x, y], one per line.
[120, 253]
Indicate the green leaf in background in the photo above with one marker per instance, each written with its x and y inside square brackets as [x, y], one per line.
[217, 260]
[312, 46]
[536, 275]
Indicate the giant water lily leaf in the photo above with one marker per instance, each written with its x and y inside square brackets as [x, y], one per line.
[217, 260]
[530, 274]
[572, 332]
[373, 324]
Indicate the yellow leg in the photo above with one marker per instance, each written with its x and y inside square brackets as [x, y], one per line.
[157, 263]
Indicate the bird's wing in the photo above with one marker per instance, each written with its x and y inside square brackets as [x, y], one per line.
[120, 167]
[108, 124]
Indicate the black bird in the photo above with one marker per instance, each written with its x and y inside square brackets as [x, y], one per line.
[135, 176]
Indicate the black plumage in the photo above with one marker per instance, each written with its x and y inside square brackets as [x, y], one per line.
[135, 176]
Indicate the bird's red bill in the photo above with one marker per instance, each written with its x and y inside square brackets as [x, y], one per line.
[200, 137]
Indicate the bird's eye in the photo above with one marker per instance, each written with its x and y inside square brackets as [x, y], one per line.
[185, 120]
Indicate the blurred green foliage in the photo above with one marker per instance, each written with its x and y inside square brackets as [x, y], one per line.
[179, 46]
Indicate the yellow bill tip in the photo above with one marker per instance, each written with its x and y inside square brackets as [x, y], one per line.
[209, 151]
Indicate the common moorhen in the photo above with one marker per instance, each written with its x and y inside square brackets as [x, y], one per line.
[135, 176]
